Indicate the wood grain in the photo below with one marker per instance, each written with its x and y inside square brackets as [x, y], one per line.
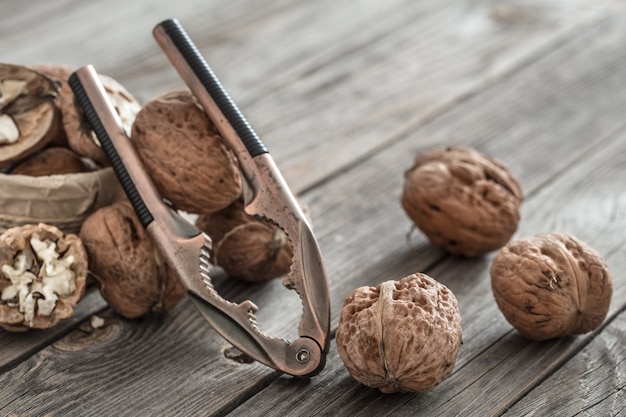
[493, 365]
[321, 91]
[592, 383]
[542, 92]
[16, 347]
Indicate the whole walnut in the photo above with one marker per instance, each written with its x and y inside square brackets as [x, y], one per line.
[551, 285]
[462, 200]
[400, 336]
[185, 155]
[43, 273]
[133, 276]
[245, 247]
[50, 161]
[28, 116]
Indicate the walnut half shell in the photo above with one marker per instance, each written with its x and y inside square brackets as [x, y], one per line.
[400, 336]
[42, 276]
[462, 200]
[28, 115]
[551, 285]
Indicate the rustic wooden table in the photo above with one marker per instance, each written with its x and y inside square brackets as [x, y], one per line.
[345, 94]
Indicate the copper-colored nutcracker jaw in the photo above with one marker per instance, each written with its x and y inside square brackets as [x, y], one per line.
[186, 249]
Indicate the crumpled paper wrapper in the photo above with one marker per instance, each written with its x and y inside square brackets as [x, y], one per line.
[64, 201]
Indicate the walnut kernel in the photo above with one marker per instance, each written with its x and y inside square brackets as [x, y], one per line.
[43, 276]
[551, 285]
[400, 336]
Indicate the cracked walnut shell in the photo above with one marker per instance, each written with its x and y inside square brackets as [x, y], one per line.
[551, 285]
[245, 247]
[80, 138]
[184, 154]
[462, 200]
[42, 276]
[133, 276]
[28, 115]
[400, 336]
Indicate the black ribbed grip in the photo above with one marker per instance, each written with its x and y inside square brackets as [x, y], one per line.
[205, 74]
[144, 215]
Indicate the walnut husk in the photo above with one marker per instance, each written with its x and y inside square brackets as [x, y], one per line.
[32, 112]
[462, 200]
[184, 154]
[16, 240]
[245, 247]
[401, 336]
[132, 275]
[551, 285]
[50, 161]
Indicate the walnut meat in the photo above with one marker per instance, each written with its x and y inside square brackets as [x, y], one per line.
[400, 336]
[462, 200]
[42, 276]
[551, 285]
[246, 248]
[184, 154]
[28, 115]
[50, 161]
[133, 276]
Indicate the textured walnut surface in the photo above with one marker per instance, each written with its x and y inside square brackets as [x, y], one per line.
[184, 154]
[245, 247]
[551, 285]
[133, 276]
[18, 240]
[400, 336]
[462, 200]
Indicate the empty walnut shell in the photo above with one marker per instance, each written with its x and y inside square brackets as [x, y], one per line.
[184, 154]
[133, 276]
[400, 336]
[551, 285]
[37, 293]
[462, 200]
[28, 115]
[59, 74]
[80, 137]
[50, 161]
[246, 248]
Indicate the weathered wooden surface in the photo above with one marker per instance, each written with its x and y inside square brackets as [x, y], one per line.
[345, 94]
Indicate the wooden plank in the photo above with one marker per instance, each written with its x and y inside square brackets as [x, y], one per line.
[250, 28]
[16, 347]
[587, 199]
[351, 264]
[592, 383]
[496, 366]
[309, 71]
